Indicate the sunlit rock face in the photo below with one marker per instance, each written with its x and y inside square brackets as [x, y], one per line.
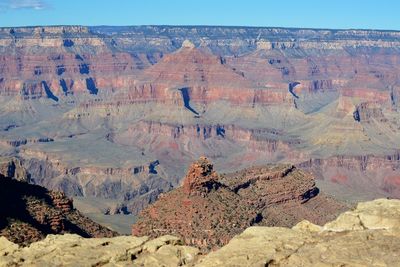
[118, 113]
[209, 209]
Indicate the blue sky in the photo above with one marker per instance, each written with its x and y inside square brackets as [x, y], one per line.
[365, 14]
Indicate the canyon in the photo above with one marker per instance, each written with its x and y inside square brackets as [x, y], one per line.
[115, 115]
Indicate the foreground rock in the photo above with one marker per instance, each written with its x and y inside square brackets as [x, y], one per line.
[30, 212]
[209, 209]
[366, 236]
[73, 250]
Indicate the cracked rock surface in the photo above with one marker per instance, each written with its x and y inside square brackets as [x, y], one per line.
[73, 250]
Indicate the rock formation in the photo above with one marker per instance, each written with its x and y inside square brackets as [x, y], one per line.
[117, 113]
[203, 212]
[73, 250]
[284, 193]
[369, 235]
[30, 212]
[368, 111]
[201, 178]
[208, 210]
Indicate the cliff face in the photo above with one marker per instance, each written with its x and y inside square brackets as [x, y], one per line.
[366, 236]
[118, 112]
[368, 111]
[30, 212]
[208, 210]
[68, 60]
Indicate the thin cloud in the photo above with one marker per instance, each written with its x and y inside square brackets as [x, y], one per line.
[25, 4]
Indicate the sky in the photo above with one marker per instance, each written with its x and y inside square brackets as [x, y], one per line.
[331, 14]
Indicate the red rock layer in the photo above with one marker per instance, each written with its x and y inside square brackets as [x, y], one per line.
[368, 171]
[207, 78]
[264, 139]
[208, 210]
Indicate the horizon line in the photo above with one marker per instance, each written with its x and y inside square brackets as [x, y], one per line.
[203, 25]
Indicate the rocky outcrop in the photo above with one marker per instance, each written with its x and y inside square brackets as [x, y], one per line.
[320, 85]
[13, 168]
[201, 178]
[30, 212]
[209, 209]
[73, 250]
[368, 235]
[367, 111]
[202, 212]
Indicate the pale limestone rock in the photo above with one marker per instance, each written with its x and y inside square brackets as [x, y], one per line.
[354, 248]
[377, 214]
[155, 244]
[307, 226]
[169, 255]
[366, 236]
[264, 45]
[257, 246]
[7, 247]
[73, 250]
[346, 221]
[188, 44]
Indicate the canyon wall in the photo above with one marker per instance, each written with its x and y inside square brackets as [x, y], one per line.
[119, 113]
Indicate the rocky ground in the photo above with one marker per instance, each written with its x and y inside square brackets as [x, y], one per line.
[209, 209]
[366, 236]
[369, 235]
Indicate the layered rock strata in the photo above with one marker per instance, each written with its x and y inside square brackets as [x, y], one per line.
[209, 209]
[243, 96]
